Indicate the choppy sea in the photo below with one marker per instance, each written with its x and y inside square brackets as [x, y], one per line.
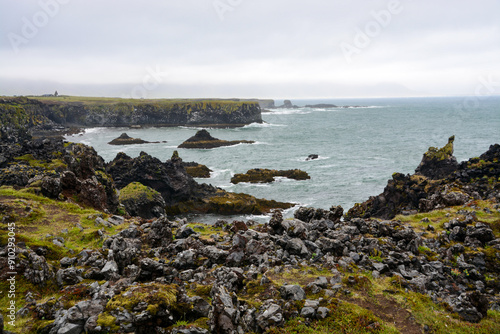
[359, 148]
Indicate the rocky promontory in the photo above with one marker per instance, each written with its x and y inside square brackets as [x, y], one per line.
[82, 112]
[439, 181]
[181, 193]
[259, 175]
[202, 139]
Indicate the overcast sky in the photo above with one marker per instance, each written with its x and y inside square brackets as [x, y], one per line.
[249, 48]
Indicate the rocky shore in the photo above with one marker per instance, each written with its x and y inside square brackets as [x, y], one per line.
[96, 253]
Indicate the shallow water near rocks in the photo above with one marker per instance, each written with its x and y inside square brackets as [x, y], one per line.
[359, 148]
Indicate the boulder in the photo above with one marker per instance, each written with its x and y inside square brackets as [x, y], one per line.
[292, 292]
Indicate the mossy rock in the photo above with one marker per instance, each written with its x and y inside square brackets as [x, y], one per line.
[198, 171]
[259, 175]
[140, 200]
[226, 203]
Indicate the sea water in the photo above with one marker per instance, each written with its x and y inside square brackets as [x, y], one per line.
[359, 148]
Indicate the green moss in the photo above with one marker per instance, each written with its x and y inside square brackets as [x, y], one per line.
[55, 164]
[443, 153]
[135, 191]
[155, 294]
[107, 321]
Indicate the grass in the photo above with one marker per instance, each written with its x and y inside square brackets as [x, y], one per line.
[37, 217]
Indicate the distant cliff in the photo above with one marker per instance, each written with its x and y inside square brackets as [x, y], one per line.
[113, 112]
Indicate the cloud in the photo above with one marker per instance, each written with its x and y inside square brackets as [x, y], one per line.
[272, 48]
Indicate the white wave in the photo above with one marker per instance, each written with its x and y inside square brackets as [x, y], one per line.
[218, 172]
[94, 130]
[289, 112]
[303, 159]
[263, 125]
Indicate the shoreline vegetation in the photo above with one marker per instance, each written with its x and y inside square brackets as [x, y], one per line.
[98, 248]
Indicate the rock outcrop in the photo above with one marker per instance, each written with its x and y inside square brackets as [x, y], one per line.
[142, 201]
[125, 139]
[197, 170]
[181, 193]
[438, 182]
[58, 170]
[203, 139]
[259, 175]
[438, 163]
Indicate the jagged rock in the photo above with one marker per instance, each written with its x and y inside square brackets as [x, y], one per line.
[51, 186]
[142, 201]
[203, 139]
[184, 231]
[308, 312]
[37, 270]
[69, 276]
[110, 270]
[160, 233]
[125, 139]
[270, 315]
[260, 175]
[224, 316]
[70, 329]
[292, 292]
[308, 214]
[185, 259]
[438, 163]
[312, 157]
[322, 312]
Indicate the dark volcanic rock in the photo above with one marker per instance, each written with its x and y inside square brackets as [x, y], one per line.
[169, 178]
[181, 193]
[125, 139]
[312, 157]
[438, 183]
[197, 170]
[438, 163]
[259, 175]
[142, 201]
[203, 139]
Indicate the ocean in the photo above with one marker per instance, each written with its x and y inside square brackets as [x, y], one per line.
[359, 148]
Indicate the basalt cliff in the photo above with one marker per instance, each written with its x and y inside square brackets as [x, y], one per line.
[82, 113]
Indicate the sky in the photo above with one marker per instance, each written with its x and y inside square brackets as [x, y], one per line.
[250, 48]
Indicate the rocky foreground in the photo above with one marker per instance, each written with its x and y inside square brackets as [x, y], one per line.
[423, 257]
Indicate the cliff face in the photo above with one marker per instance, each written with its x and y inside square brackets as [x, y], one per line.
[214, 113]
